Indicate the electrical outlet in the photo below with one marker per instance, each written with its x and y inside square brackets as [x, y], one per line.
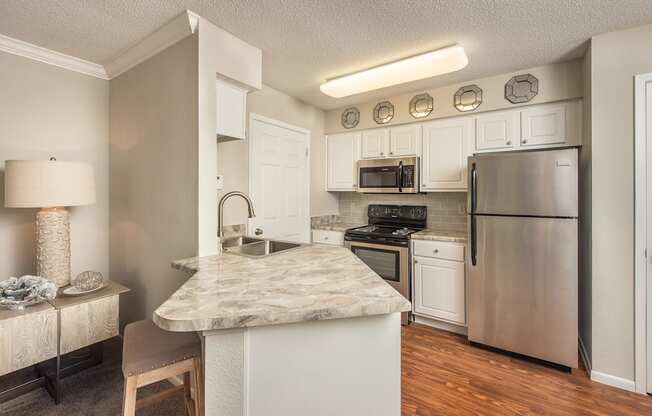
[220, 182]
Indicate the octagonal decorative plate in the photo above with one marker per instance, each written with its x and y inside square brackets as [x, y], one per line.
[350, 117]
[421, 105]
[383, 112]
[521, 88]
[468, 98]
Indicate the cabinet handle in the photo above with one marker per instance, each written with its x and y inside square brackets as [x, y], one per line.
[382, 154]
[325, 238]
[508, 143]
[523, 141]
[415, 261]
[435, 251]
[391, 153]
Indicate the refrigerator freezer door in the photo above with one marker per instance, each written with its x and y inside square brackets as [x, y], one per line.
[535, 183]
[523, 287]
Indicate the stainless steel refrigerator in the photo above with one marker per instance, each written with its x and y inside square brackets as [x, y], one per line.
[523, 245]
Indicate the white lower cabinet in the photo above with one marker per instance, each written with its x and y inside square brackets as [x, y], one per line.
[439, 285]
[335, 238]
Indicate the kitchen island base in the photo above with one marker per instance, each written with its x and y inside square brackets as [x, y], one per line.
[344, 367]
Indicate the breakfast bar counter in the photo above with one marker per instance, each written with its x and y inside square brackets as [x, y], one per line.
[311, 330]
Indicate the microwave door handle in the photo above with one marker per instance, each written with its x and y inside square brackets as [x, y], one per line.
[400, 176]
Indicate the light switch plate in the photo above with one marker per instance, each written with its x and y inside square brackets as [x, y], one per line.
[220, 182]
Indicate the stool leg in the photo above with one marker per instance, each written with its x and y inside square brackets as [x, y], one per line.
[198, 385]
[187, 395]
[129, 399]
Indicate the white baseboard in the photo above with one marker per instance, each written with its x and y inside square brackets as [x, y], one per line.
[585, 357]
[440, 325]
[608, 379]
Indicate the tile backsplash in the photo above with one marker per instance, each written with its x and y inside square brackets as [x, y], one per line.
[446, 210]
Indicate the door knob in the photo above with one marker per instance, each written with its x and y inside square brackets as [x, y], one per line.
[258, 231]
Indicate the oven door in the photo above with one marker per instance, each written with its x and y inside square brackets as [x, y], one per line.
[389, 262]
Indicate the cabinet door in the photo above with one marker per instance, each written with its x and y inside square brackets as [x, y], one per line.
[231, 102]
[342, 155]
[495, 131]
[446, 146]
[375, 143]
[543, 125]
[405, 140]
[439, 289]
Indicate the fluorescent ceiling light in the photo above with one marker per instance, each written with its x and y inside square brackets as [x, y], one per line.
[429, 64]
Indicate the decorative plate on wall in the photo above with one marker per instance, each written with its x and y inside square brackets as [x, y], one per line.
[383, 112]
[350, 117]
[468, 98]
[421, 105]
[521, 88]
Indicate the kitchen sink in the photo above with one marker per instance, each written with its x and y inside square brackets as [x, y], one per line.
[239, 241]
[257, 247]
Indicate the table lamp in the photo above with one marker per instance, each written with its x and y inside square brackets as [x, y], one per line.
[50, 185]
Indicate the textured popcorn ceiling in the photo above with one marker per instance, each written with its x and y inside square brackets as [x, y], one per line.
[305, 42]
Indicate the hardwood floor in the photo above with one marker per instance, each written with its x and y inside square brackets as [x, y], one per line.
[444, 375]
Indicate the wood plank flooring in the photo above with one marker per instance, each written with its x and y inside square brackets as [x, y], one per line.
[444, 375]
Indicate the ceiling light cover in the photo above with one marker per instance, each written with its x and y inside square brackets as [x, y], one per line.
[430, 64]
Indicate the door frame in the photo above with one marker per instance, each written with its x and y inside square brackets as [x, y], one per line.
[263, 119]
[640, 223]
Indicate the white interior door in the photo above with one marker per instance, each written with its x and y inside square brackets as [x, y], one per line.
[279, 179]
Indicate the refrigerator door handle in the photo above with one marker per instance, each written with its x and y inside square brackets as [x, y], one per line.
[474, 188]
[474, 243]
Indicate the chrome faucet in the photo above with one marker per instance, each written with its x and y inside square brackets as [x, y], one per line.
[220, 209]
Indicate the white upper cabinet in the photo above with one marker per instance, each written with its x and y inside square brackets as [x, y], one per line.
[405, 140]
[497, 131]
[446, 146]
[545, 124]
[342, 155]
[375, 143]
[231, 100]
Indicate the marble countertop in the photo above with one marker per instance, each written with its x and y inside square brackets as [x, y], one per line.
[315, 282]
[337, 226]
[440, 235]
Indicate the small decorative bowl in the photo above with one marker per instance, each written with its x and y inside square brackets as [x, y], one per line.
[88, 280]
[18, 293]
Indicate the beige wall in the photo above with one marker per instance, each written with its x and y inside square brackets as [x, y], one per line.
[233, 157]
[616, 58]
[224, 54]
[154, 176]
[48, 111]
[556, 82]
[585, 290]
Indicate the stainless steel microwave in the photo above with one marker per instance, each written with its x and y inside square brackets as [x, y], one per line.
[389, 176]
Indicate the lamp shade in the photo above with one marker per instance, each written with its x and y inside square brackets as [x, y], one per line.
[45, 184]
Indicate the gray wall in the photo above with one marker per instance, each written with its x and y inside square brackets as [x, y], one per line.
[154, 176]
[233, 157]
[585, 289]
[616, 58]
[49, 111]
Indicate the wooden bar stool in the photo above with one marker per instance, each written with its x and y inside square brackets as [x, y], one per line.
[151, 354]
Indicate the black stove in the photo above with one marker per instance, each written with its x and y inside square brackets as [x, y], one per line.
[390, 224]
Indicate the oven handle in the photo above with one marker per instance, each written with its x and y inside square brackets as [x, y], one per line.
[400, 176]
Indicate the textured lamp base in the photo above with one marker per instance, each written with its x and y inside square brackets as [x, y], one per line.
[53, 245]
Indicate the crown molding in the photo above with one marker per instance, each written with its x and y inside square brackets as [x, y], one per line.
[172, 32]
[37, 53]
